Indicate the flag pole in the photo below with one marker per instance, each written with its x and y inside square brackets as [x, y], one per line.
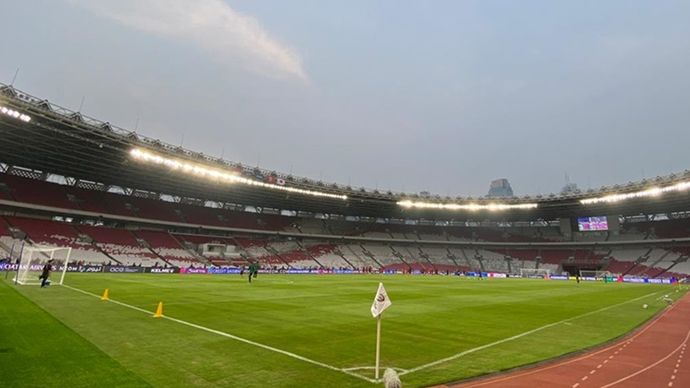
[378, 344]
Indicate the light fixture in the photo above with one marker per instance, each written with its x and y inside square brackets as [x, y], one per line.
[470, 206]
[220, 175]
[13, 113]
[651, 192]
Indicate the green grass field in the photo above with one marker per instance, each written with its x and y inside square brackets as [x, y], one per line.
[62, 337]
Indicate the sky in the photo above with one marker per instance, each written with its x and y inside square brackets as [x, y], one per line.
[408, 96]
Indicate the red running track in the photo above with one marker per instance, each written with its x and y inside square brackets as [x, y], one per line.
[654, 356]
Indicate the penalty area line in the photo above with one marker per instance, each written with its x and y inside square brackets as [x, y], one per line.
[234, 337]
[508, 339]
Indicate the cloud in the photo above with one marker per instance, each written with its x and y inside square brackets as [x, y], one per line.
[228, 35]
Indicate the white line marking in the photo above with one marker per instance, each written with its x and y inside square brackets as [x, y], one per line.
[373, 367]
[236, 338]
[478, 348]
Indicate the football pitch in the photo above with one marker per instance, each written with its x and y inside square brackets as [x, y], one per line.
[301, 330]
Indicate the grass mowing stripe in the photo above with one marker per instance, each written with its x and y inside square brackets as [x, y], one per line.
[234, 337]
[478, 348]
[38, 350]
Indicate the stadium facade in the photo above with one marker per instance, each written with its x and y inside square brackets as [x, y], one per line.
[118, 197]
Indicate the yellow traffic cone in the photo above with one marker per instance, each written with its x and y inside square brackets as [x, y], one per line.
[106, 295]
[159, 311]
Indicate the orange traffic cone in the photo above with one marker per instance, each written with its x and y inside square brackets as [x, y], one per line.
[159, 311]
[106, 295]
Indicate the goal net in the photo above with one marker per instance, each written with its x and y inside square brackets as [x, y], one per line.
[594, 274]
[34, 258]
[535, 273]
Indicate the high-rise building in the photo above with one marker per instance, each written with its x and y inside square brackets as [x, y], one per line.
[500, 188]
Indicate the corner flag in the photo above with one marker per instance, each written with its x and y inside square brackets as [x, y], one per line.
[381, 301]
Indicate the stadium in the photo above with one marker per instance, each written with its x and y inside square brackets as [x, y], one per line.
[478, 285]
[248, 194]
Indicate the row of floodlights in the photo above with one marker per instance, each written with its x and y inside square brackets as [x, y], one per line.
[234, 177]
[15, 114]
[607, 199]
[648, 193]
[220, 175]
[470, 206]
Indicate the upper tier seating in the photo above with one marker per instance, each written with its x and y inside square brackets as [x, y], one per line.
[37, 192]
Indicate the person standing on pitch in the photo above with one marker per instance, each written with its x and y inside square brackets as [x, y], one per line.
[253, 271]
[46, 273]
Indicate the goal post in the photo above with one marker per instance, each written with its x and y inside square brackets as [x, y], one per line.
[32, 260]
[594, 274]
[535, 273]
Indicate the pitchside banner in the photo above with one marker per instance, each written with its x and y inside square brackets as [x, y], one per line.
[559, 277]
[193, 270]
[57, 268]
[122, 269]
[224, 271]
[161, 270]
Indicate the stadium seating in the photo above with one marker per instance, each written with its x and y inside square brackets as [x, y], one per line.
[122, 246]
[59, 234]
[167, 247]
[37, 192]
[161, 248]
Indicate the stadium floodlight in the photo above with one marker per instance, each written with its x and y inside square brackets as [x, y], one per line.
[470, 207]
[648, 193]
[13, 113]
[220, 175]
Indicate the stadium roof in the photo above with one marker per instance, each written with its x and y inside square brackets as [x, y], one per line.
[39, 135]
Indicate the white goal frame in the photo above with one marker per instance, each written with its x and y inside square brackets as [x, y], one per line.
[593, 274]
[39, 255]
[526, 272]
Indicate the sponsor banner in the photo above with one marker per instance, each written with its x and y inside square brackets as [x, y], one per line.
[644, 280]
[559, 277]
[223, 271]
[161, 270]
[193, 270]
[85, 268]
[8, 267]
[497, 275]
[299, 271]
[122, 269]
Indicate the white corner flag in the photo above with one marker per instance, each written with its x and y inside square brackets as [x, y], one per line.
[381, 301]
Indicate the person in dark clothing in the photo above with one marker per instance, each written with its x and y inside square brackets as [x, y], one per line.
[45, 275]
[253, 271]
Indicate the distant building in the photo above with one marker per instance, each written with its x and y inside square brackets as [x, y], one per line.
[570, 188]
[500, 188]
